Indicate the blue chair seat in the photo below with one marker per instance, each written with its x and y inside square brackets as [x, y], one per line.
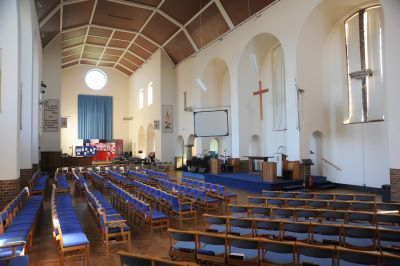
[230, 194]
[278, 258]
[215, 249]
[241, 231]
[218, 227]
[16, 261]
[184, 245]
[314, 260]
[8, 237]
[74, 239]
[185, 208]
[359, 242]
[298, 236]
[71, 230]
[7, 252]
[240, 214]
[389, 244]
[320, 238]
[347, 263]
[157, 215]
[261, 232]
[249, 254]
[388, 226]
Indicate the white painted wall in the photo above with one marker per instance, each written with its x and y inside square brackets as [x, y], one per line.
[391, 76]
[9, 89]
[168, 97]
[73, 84]
[51, 141]
[150, 72]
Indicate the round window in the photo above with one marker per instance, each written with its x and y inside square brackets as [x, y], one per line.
[95, 79]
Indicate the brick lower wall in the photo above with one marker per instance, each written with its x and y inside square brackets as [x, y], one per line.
[35, 167]
[8, 190]
[395, 184]
[26, 175]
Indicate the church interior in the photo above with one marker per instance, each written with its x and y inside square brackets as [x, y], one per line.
[199, 132]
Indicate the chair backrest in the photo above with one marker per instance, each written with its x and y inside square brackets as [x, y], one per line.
[358, 258]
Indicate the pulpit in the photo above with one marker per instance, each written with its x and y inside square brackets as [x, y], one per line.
[215, 166]
[269, 171]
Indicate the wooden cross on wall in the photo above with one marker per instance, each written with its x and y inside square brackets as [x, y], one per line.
[260, 93]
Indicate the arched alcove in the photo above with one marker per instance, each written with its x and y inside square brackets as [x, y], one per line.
[214, 145]
[258, 63]
[141, 142]
[191, 147]
[151, 147]
[217, 96]
[317, 153]
[180, 152]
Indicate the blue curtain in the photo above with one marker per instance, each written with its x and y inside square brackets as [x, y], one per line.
[95, 117]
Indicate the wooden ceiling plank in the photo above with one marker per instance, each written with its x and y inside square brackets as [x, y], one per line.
[90, 22]
[224, 14]
[74, 28]
[127, 3]
[52, 13]
[71, 2]
[105, 47]
[134, 38]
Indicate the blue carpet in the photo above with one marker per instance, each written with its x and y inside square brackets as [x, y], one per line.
[248, 182]
[193, 175]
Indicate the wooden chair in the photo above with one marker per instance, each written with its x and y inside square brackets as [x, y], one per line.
[113, 229]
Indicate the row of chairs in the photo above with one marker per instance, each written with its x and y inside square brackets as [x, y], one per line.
[18, 223]
[121, 180]
[319, 195]
[38, 182]
[137, 210]
[129, 259]
[171, 204]
[215, 190]
[114, 228]
[98, 181]
[156, 174]
[381, 220]
[327, 204]
[68, 234]
[234, 250]
[80, 181]
[203, 199]
[61, 183]
[142, 177]
[349, 236]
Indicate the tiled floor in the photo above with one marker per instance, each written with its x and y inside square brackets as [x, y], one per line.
[43, 252]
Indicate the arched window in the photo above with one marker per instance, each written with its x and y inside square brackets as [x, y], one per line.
[150, 94]
[364, 32]
[141, 99]
[214, 146]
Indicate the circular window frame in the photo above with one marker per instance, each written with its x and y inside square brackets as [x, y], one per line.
[92, 86]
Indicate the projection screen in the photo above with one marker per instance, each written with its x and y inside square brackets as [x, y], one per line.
[211, 123]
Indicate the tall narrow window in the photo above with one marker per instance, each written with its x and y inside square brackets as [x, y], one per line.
[141, 99]
[278, 88]
[364, 31]
[150, 94]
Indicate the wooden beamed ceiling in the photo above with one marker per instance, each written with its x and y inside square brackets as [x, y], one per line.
[123, 34]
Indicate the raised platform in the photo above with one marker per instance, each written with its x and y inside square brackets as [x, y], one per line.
[250, 182]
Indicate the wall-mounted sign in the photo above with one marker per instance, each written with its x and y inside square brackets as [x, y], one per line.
[51, 115]
[167, 119]
[157, 124]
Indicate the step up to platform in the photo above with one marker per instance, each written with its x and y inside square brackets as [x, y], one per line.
[293, 188]
[322, 183]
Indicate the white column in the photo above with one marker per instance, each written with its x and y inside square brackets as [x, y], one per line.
[26, 83]
[10, 88]
[51, 141]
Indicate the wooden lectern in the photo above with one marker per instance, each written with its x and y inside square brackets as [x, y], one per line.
[269, 171]
[235, 164]
[215, 166]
